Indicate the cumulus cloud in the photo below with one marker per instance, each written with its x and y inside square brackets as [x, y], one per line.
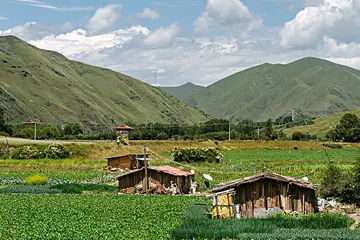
[224, 13]
[34, 30]
[336, 19]
[163, 37]
[104, 19]
[149, 13]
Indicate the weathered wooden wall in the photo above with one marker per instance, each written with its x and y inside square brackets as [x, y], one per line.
[264, 196]
[120, 162]
[133, 179]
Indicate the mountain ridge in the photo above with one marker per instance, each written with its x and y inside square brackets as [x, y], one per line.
[45, 85]
[184, 91]
[272, 90]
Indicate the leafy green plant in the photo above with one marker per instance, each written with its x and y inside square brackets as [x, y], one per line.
[195, 154]
[27, 152]
[56, 151]
[37, 180]
[79, 188]
[90, 217]
[28, 189]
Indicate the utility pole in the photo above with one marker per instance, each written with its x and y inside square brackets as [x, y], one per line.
[146, 180]
[155, 77]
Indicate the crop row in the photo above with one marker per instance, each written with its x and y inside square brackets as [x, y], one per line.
[90, 216]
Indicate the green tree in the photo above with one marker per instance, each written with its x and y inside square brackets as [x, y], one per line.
[269, 131]
[247, 129]
[348, 130]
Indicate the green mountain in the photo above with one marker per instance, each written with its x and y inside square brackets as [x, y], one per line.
[313, 86]
[322, 125]
[44, 85]
[184, 91]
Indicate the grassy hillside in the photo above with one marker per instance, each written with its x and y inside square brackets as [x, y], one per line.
[184, 91]
[322, 125]
[272, 90]
[45, 85]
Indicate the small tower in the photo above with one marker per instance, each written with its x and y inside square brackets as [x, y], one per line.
[123, 131]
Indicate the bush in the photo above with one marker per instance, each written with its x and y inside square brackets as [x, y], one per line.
[195, 154]
[4, 134]
[56, 151]
[37, 180]
[27, 152]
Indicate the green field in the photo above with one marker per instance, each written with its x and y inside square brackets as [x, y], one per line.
[321, 125]
[297, 163]
[90, 217]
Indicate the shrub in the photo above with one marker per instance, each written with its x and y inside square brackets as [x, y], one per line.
[27, 152]
[56, 151]
[195, 154]
[37, 180]
[4, 134]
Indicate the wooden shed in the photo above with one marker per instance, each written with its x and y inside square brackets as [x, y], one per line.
[130, 161]
[163, 174]
[263, 194]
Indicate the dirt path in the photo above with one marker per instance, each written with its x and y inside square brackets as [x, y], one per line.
[29, 141]
[356, 217]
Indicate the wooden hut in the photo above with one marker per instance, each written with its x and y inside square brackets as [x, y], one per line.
[263, 194]
[163, 174]
[129, 161]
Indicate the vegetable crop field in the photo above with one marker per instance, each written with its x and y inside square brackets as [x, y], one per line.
[90, 216]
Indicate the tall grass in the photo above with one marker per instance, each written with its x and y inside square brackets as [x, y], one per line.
[198, 226]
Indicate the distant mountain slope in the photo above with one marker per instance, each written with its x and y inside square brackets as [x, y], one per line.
[184, 91]
[312, 85]
[322, 125]
[44, 85]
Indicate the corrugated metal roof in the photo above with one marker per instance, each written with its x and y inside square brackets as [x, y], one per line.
[171, 170]
[165, 169]
[124, 127]
[292, 180]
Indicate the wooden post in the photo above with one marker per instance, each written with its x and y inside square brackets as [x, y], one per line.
[35, 132]
[146, 172]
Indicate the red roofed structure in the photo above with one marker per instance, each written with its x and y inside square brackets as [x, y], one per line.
[123, 131]
[163, 174]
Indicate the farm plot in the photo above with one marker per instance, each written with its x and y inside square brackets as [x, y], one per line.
[90, 216]
[297, 163]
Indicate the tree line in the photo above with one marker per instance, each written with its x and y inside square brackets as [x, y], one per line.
[347, 130]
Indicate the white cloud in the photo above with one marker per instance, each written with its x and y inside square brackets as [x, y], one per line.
[34, 31]
[104, 19]
[163, 37]
[149, 13]
[333, 18]
[39, 4]
[4, 18]
[225, 13]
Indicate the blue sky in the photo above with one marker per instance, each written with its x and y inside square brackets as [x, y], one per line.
[200, 41]
[274, 12]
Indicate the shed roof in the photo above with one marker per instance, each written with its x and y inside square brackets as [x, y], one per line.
[286, 179]
[137, 155]
[165, 169]
[171, 170]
